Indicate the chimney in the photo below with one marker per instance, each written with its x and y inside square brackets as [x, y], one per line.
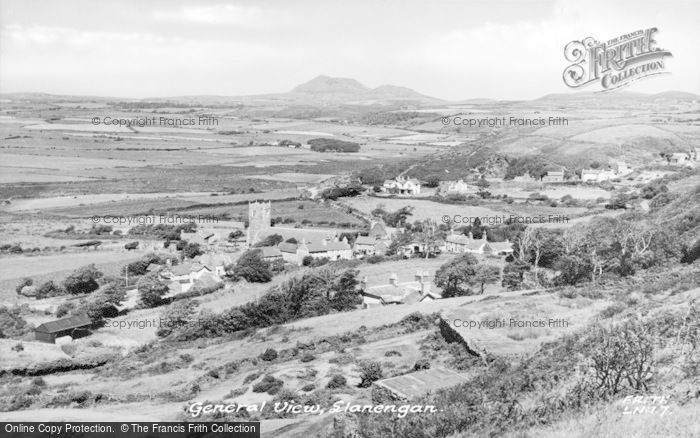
[394, 280]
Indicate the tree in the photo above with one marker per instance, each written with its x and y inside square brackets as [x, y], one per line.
[251, 267]
[26, 281]
[486, 274]
[429, 236]
[370, 372]
[482, 186]
[191, 250]
[151, 290]
[456, 276]
[49, 289]
[514, 274]
[271, 240]
[83, 280]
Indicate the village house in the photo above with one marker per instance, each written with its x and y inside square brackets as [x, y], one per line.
[524, 178]
[553, 176]
[597, 175]
[376, 242]
[396, 292]
[454, 187]
[402, 186]
[679, 159]
[75, 326]
[459, 243]
[185, 275]
[216, 262]
[332, 249]
[369, 246]
[270, 253]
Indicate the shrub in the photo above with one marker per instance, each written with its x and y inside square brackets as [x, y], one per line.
[307, 357]
[26, 281]
[269, 355]
[421, 364]
[308, 388]
[250, 377]
[336, 381]
[18, 347]
[268, 384]
[370, 372]
[83, 280]
[391, 353]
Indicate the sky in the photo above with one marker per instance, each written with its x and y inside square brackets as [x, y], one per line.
[448, 49]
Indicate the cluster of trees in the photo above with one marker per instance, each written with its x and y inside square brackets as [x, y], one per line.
[333, 145]
[464, 275]
[586, 252]
[350, 190]
[163, 231]
[317, 292]
[253, 268]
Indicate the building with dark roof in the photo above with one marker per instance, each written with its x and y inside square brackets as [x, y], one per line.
[74, 326]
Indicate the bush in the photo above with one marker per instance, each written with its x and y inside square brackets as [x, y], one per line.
[308, 388]
[83, 280]
[370, 372]
[268, 384]
[307, 357]
[250, 377]
[391, 353]
[421, 364]
[269, 355]
[337, 381]
[26, 281]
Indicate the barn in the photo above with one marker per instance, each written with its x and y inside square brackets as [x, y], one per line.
[74, 326]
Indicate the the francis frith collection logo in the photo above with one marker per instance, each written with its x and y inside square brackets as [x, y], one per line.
[616, 62]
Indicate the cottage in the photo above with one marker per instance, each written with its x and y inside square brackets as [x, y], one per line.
[216, 262]
[186, 274]
[396, 292]
[553, 176]
[454, 187]
[459, 243]
[597, 175]
[524, 178]
[332, 249]
[74, 326]
[402, 186]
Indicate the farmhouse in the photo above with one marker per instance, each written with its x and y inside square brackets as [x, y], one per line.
[459, 243]
[408, 292]
[270, 253]
[186, 274]
[597, 175]
[216, 262]
[553, 176]
[332, 249]
[368, 246]
[402, 186]
[74, 326]
[679, 159]
[450, 187]
[524, 178]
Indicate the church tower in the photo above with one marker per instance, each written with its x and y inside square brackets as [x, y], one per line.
[259, 220]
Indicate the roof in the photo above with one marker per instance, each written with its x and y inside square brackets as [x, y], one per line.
[306, 234]
[186, 268]
[365, 240]
[327, 246]
[270, 251]
[60, 325]
[403, 293]
[288, 247]
[472, 244]
[379, 230]
[501, 246]
[212, 260]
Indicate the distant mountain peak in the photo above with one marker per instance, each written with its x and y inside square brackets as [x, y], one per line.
[326, 84]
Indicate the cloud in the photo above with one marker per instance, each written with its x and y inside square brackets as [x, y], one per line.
[222, 14]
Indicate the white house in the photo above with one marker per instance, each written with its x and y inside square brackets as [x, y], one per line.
[597, 175]
[459, 243]
[459, 187]
[402, 186]
[186, 274]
